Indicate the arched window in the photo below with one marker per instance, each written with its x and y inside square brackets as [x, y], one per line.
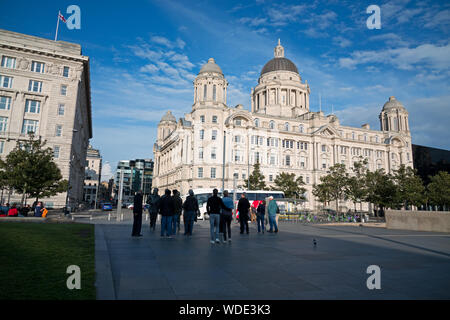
[395, 124]
[272, 124]
[301, 129]
[286, 126]
[256, 122]
[376, 139]
[214, 92]
[204, 92]
[353, 135]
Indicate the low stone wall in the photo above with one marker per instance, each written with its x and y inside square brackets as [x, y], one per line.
[436, 221]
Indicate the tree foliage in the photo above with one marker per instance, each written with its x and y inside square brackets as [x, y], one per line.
[410, 189]
[356, 184]
[322, 193]
[381, 189]
[438, 189]
[30, 170]
[290, 185]
[256, 179]
[336, 182]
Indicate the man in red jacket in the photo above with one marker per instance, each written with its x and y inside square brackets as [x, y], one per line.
[13, 211]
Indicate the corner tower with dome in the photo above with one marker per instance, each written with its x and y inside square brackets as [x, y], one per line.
[216, 145]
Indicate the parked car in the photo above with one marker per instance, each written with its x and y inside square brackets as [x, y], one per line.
[107, 206]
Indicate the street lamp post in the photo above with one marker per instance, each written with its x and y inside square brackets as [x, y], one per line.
[119, 203]
[70, 169]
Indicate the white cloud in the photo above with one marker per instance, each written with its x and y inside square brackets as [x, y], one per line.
[253, 22]
[281, 15]
[342, 42]
[426, 55]
[106, 171]
[389, 39]
[150, 68]
[178, 43]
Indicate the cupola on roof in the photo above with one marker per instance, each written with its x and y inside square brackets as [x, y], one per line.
[169, 117]
[279, 63]
[393, 104]
[211, 66]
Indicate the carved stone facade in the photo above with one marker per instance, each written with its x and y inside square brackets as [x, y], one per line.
[214, 143]
[45, 88]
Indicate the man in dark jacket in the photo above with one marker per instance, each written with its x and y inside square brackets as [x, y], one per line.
[214, 206]
[137, 215]
[190, 207]
[260, 215]
[178, 207]
[243, 207]
[166, 210]
[153, 202]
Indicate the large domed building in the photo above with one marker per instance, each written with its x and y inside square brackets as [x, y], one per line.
[216, 145]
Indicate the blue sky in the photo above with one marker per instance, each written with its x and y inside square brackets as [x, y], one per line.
[145, 54]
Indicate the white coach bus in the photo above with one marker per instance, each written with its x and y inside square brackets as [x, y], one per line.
[254, 197]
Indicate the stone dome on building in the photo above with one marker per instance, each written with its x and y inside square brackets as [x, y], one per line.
[393, 104]
[279, 62]
[169, 117]
[211, 66]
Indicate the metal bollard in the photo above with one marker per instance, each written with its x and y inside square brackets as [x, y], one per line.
[109, 216]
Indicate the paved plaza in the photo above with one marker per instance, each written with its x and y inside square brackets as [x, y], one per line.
[414, 265]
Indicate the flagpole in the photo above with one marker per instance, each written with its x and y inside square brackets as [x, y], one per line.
[57, 25]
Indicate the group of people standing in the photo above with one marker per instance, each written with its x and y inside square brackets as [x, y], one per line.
[220, 210]
[38, 210]
[170, 207]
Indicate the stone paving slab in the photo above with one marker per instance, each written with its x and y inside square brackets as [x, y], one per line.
[414, 265]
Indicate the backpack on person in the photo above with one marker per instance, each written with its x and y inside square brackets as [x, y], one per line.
[44, 212]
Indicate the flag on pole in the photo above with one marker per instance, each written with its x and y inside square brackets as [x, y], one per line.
[60, 16]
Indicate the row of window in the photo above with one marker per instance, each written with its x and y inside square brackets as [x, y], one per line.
[36, 66]
[287, 126]
[31, 106]
[28, 126]
[214, 119]
[56, 149]
[33, 85]
[213, 134]
[213, 175]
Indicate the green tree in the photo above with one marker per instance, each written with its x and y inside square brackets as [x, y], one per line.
[256, 179]
[336, 182]
[321, 192]
[291, 186]
[31, 171]
[381, 190]
[3, 183]
[438, 190]
[410, 189]
[356, 184]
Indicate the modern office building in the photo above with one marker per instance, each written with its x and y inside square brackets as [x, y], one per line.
[92, 176]
[45, 89]
[429, 161]
[137, 175]
[215, 144]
